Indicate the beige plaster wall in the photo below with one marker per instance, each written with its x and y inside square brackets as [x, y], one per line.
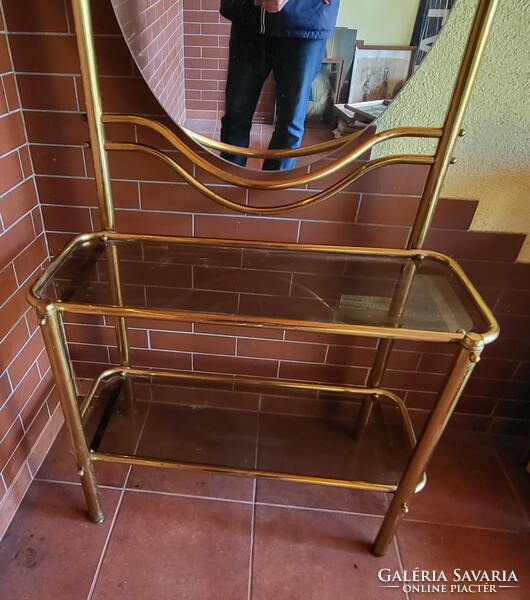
[387, 22]
[494, 157]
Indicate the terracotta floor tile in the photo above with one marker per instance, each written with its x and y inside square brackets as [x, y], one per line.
[200, 435]
[327, 447]
[51, 550]
[177, 548]
[59, 465]
[317, 496]
[310, 555]
[512, 452]
[445, 548]
[466, 485]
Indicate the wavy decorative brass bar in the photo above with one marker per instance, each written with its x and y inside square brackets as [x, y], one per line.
[338, 186]
[276, 184]
[265, 152]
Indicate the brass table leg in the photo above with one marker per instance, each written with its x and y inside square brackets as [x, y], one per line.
[466, 358]
[52, 330]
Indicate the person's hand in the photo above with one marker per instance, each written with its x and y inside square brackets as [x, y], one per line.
[274, 6]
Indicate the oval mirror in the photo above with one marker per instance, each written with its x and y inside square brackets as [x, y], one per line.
[181, 48]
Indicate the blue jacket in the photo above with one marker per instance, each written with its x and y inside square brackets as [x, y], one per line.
[313, 19]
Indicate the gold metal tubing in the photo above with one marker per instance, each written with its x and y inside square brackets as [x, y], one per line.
[489, 335]
[266, 153]
[254, 381]
[52, 331]
[89, 72]
[117, 299]
[268, 322]
[90, 396]
[34, 298]
[271, 183]
[399, 299]
[129, 372]
[465, 360]
[147, 461]
[464, 84]
[90, 77]
[267, 185]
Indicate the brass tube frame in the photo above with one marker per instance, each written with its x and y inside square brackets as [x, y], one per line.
[464, 362]
[253, 472]
[271, 183]
[34, 293]
[90, 77]
[471, 344]
[50, 321]
[92, 93]
[465, 81]
[443, 157]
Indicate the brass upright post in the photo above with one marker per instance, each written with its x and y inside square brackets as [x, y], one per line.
[89, 72]
[443, 158]
[451, 129]
[465, 360]
[52, 331]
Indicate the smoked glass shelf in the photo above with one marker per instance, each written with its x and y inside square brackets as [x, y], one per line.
[329, 435]
[338, 289]
[247, 427]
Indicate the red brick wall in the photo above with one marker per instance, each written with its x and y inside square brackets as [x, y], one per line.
[206, 39]
[25, 378]
[155, 32]
[377, 210]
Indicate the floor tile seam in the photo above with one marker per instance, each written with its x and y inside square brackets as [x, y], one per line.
[254, 496]
[190, 496]
[400, 558]
[513, 489]
[117, 488]
[105, 546]
[137, 445]
[251, 549]
[322, 510]
[473, 527]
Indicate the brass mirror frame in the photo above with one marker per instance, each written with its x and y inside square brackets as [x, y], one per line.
[438, 163]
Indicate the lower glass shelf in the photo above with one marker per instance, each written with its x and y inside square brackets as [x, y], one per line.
[292, 431]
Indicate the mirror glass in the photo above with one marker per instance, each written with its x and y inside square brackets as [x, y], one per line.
[182, 50]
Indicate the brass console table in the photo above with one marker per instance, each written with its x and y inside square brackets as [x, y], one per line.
[389, 294]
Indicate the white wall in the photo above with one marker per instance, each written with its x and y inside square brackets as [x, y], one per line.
[380, 22]
[494, 157]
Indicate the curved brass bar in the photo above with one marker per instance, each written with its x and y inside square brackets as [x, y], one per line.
[277, 184]
[266, 153]
[264, 185]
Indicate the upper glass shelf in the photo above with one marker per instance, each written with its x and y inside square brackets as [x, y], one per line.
[345, 290]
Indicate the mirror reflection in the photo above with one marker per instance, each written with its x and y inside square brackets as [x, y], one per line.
[278, 73]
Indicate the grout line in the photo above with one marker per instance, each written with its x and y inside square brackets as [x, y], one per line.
[105, 546]
[120, 501]
[333, 511]
[76, 483]
[474, 527]
[400, 557]
[254, 495]
[512, 488]
[192, 496]
[252, 532]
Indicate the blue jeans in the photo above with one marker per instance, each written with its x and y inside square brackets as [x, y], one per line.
[294, 62]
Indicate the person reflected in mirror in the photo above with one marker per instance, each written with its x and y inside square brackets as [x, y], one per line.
[287, 38]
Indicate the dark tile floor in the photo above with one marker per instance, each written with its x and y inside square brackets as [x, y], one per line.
[171, 535]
